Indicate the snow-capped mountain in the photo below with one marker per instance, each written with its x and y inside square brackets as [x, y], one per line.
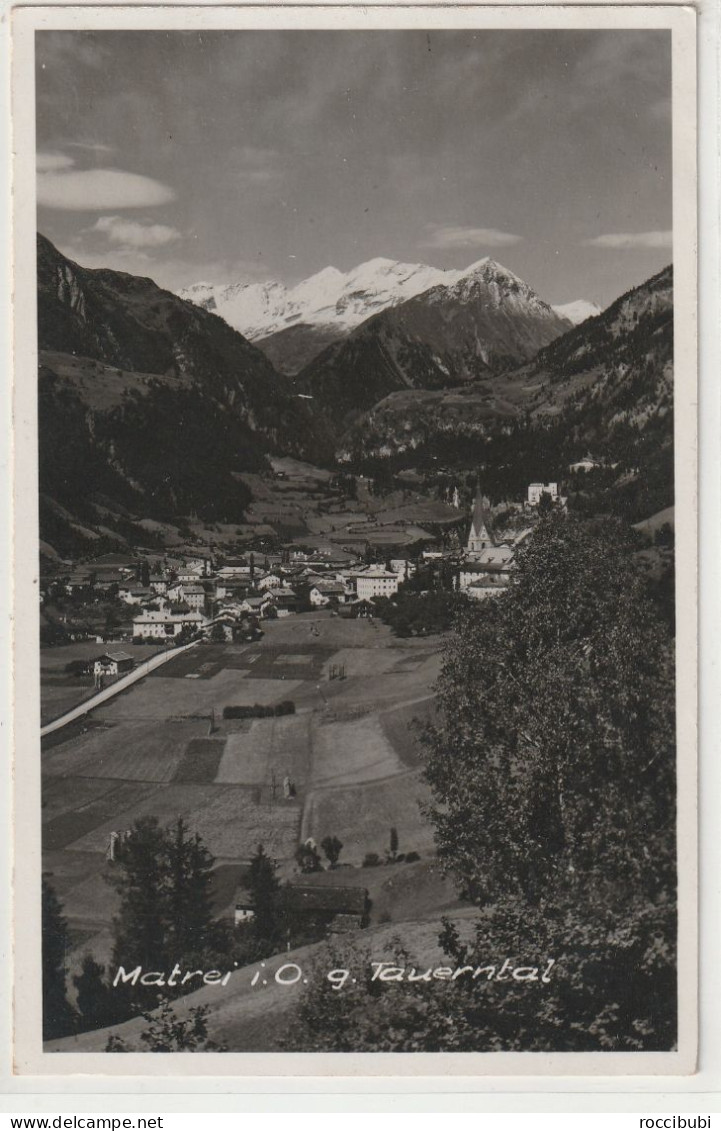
[474, 324]
[328, 298]
[295, 324]
[578, 311]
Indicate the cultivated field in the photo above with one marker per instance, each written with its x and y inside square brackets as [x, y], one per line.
[162, 749]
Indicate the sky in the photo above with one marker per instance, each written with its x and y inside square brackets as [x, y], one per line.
[252, 155]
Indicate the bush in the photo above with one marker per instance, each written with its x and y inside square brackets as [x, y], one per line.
[411, 857]
[371, 860]
[258, 711]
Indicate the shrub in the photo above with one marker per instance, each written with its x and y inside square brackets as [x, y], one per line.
[371, 860]
[411, 857]
[259, 711]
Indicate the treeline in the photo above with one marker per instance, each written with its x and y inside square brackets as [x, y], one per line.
[410, 613]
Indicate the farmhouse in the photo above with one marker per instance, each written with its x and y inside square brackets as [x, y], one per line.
[113, 663]
[340, 908]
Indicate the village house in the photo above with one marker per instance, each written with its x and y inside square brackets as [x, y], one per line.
[135, 595]
[257, 605]
[326, 593]
[113, 664]
[376, 583]
[153, 625]
[286, 601]
[194, 596]
[268, 581]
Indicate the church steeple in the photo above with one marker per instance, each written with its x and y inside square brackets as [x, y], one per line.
[480, 536]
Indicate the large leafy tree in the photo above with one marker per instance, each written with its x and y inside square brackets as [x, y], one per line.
[553, 763]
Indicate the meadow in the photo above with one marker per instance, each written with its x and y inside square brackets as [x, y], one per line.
[162, 749]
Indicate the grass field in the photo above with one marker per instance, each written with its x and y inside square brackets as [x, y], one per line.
[401, 726]
[349, 749]
[167, 698]
[131, 751]
[352, 752]
[280, 746]
[363, 815]
[200, 761]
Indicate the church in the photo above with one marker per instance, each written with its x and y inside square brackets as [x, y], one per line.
[487, 563]
[480, 537]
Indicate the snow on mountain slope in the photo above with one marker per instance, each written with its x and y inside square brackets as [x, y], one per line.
[578, 311]
[331, 299]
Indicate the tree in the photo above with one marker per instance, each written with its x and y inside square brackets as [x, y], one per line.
[264, 887]
[217, 634]
[144, 573]
[393, 843]
[189, 866]
[554, 760]
[545, 504]
[168, 1032]
[58, 1015]
[97, 1004]
[308, 858]
[163, 880]
[332, 847]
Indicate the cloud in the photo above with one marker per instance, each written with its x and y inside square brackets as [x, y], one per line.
[91, 146]
[92, 190]
[50, 162]
[131, 234]
[628, 240]
[448, 236]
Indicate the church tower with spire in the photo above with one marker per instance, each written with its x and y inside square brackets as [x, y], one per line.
[480, 536]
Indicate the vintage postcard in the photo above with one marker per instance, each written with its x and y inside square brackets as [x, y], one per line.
[355, 530]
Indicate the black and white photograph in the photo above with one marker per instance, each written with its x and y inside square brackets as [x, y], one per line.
[362, 460]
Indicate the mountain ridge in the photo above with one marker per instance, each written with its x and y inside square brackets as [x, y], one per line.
[293, 325]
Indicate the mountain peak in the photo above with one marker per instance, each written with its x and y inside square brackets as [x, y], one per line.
[331, 303]
[578, 311]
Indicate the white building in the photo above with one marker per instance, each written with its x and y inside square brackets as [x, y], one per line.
[376, 583]
[535, 490]
[194, 595]
[160, 625]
